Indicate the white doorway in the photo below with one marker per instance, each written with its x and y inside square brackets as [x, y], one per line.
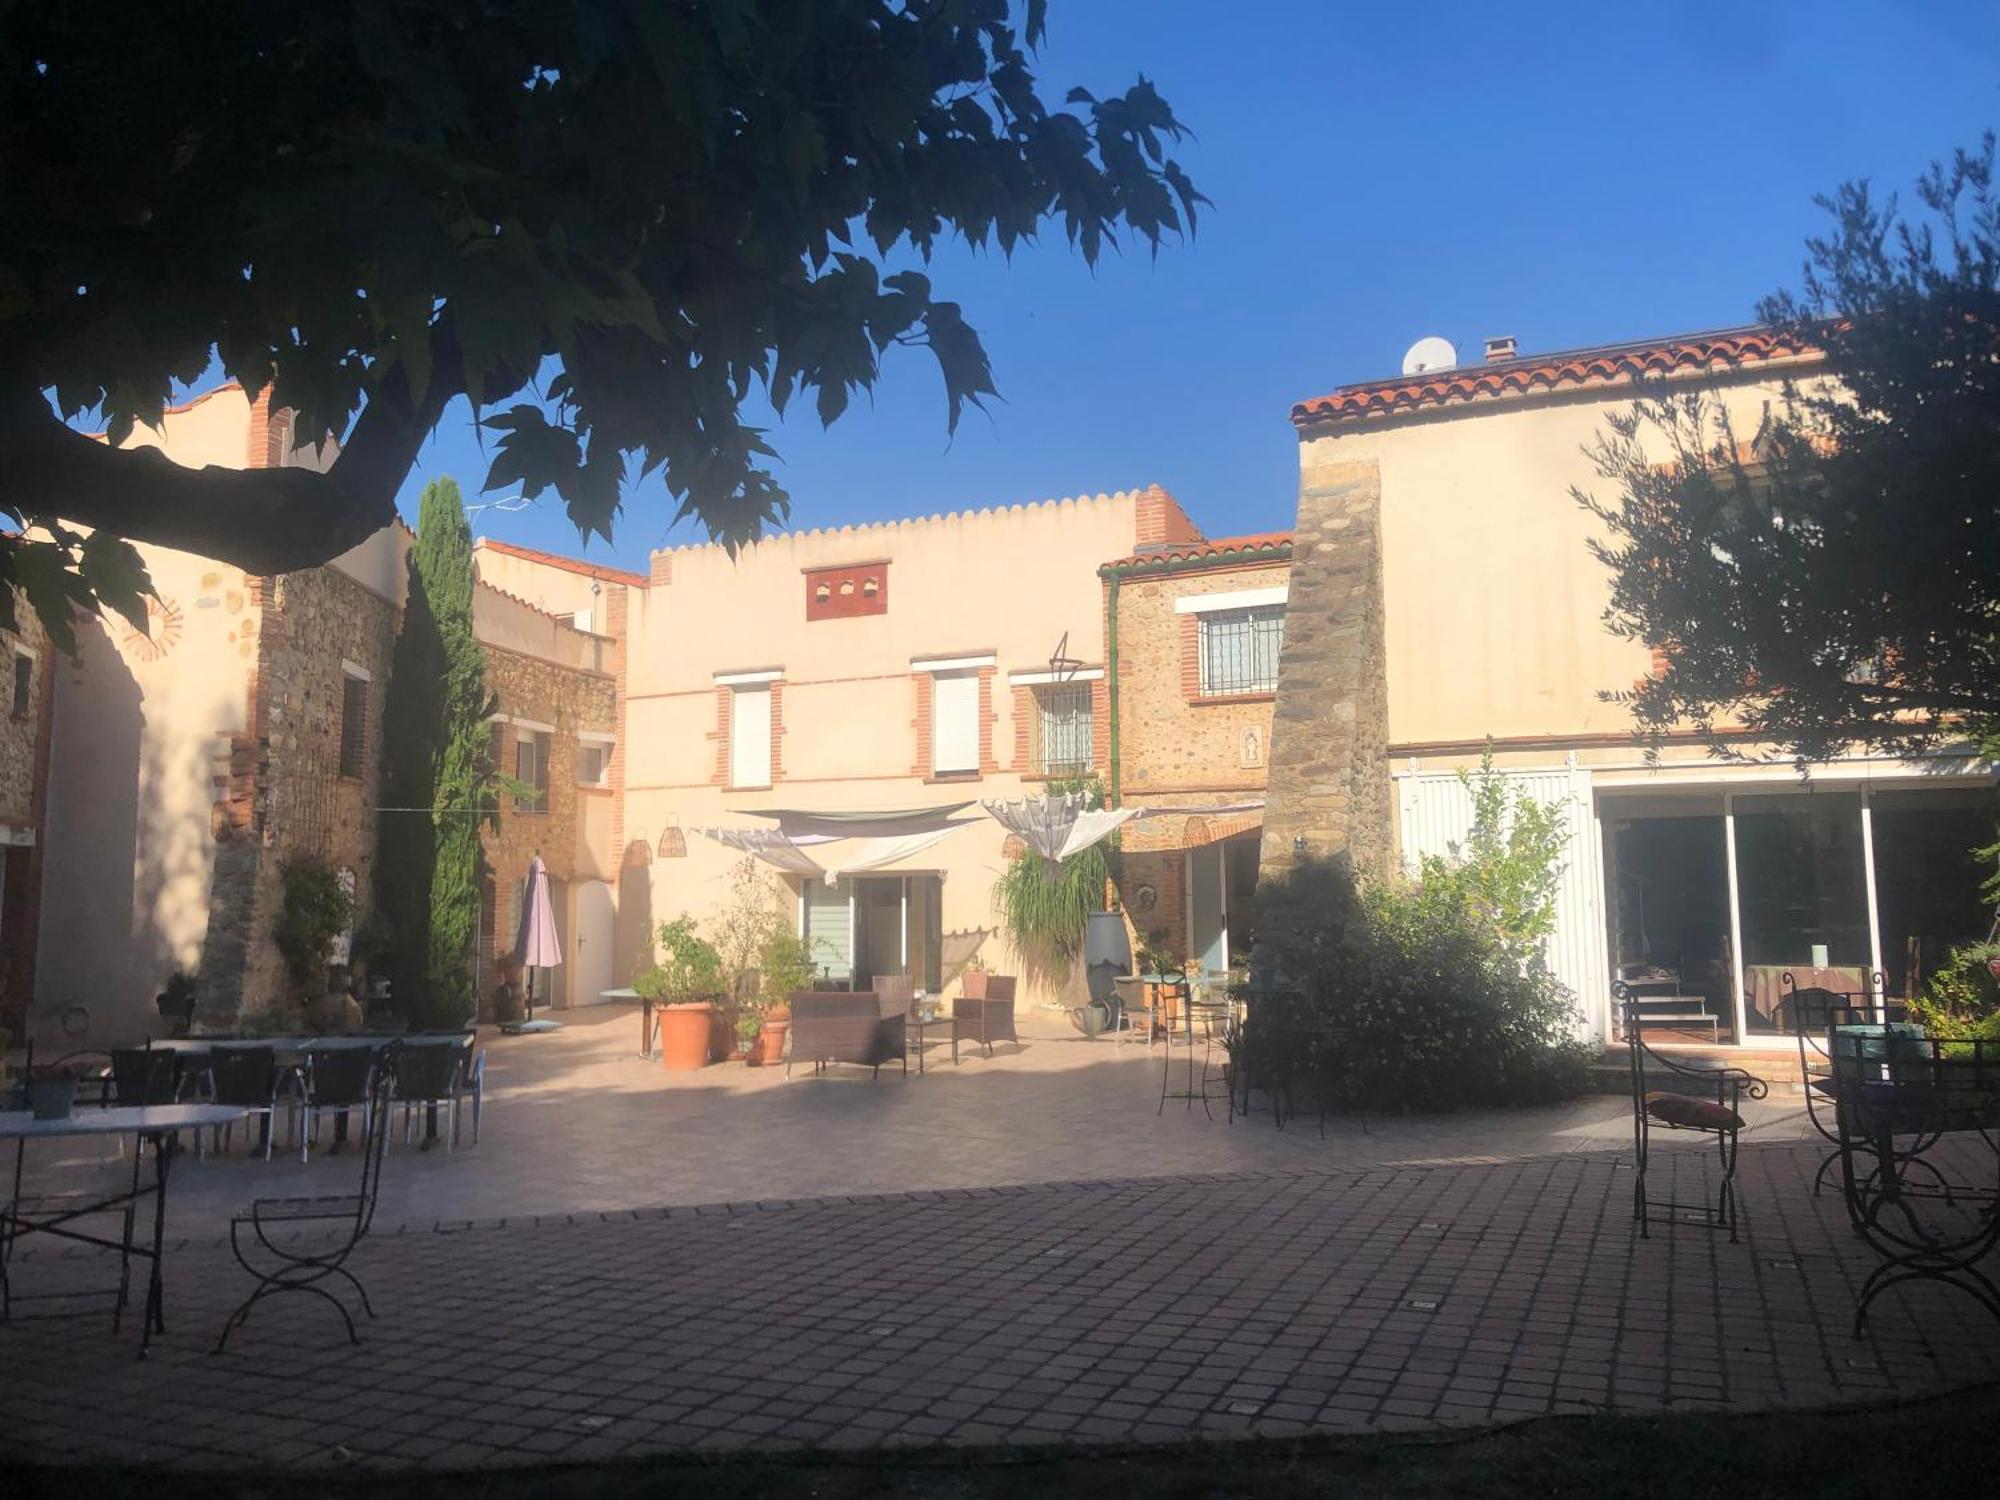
[595, 925]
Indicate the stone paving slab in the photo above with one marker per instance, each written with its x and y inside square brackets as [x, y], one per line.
[1387, 1297]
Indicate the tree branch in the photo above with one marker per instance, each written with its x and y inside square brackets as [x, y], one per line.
[261, 520]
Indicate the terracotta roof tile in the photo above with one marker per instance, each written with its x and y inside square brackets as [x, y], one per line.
[1616, 364]
[1258, 546]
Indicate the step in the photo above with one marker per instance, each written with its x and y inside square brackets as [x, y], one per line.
[1612, 1072]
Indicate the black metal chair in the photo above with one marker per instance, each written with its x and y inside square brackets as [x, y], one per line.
[1899, 1094]
[143, 1075]
[306, 1265]
[1719, 1117]
[430, 1078]
[1811, 1012]
[337, 1083]
[250, 1079]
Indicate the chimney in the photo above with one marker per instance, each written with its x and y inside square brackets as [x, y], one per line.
[1499, 347]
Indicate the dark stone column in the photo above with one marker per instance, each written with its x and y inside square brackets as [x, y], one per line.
[1329, 774]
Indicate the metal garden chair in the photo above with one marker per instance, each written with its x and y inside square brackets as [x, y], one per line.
[308, 1265]
[1719, 1117]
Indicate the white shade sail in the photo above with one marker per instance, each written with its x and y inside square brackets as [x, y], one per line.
[770, 846]
[1057, 827]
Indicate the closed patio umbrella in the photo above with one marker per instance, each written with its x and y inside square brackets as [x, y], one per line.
[535, 942]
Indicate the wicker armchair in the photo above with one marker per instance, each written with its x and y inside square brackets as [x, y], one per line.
[986, 1019]
[850, 1026]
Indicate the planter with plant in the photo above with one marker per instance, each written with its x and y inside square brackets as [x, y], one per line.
[688, 980]
[785, 966]
[175, 1003]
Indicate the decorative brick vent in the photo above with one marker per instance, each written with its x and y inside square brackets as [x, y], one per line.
[842, 593]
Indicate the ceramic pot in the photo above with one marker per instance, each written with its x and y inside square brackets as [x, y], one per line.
[684, 1035]
[769, 1048]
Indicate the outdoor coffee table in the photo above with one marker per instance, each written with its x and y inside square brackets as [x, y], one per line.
[920, 1024]
[155, 1123]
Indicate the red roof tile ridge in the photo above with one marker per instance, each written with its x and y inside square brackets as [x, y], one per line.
[1558, 370]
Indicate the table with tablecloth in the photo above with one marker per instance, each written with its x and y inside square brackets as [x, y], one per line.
[1765, 985]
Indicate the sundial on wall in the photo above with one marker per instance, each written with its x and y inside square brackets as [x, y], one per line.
[163, 618]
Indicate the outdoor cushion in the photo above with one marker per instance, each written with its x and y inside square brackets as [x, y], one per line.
[1699, 1114]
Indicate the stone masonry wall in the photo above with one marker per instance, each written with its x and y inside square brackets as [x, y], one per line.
[24, 779]
[541, 692]
[281, 793]
[1170, 739]
[1329, 775]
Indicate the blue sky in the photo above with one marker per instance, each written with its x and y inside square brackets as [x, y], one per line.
[1570, 174]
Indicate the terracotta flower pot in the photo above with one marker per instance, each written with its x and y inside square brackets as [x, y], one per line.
[769, 1048]
[684, 1035]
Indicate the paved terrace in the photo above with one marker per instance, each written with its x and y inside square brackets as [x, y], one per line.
[1016, 1250]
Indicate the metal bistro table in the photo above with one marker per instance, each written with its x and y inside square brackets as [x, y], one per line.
[155, 1123]
[645, 1017]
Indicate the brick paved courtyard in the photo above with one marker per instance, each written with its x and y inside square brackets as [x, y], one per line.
[1211, 1280]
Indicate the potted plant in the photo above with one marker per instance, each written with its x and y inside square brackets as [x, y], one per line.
[317, 908]
[972, 978]
[784, 965]
[688, 980]
[175, 1003]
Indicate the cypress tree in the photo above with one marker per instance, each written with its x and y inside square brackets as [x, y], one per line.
[429, 862]
[461, 802]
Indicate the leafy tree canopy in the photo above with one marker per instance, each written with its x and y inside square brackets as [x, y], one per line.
[604, 221]
[1831, 580]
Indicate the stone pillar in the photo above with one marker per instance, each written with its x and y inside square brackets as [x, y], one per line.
[1329, 798]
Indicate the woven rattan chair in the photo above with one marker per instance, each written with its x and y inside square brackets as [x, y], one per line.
[987, 1020]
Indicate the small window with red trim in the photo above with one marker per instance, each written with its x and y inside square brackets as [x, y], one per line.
[844, 592]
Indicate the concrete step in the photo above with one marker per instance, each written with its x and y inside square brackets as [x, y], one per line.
[1612, 1072]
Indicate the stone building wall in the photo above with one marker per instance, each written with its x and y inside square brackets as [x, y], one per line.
[570, 700]
[281, 791]
[1329, 784]
[24, 778]
[1170, 738]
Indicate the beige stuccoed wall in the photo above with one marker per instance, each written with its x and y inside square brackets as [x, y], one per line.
[1493, 603]
[1008, 582]
[560, 591]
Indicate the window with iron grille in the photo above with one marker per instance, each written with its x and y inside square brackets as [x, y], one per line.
[531, 769]
[24, 684]
[593, 763]
[353, 725]
[1239, 650]
[1062, 738]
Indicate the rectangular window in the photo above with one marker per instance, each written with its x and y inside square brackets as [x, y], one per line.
[1239, 650]
[24, 684]
[954, 722]
[593, 763]
[531, 769]
[1062, 729]
[750, 735]
[353, 725]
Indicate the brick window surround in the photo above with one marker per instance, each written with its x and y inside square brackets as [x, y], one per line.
[922, 676]
[1190, 654]
[1024, 687]
[726, 684]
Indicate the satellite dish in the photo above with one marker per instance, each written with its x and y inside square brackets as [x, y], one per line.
[1426, 354]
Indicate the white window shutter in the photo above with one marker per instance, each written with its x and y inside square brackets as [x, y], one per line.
[955, 722]
[750, 736]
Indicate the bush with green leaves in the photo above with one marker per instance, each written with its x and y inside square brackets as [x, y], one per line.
[316, 909]
[784, 966]
[1962, 1000]
[689, 967]
[1432, 993]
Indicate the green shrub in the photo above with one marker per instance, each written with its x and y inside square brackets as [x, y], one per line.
[689, 967]
[1427, 994]
[316, 910]
[1962, 1000]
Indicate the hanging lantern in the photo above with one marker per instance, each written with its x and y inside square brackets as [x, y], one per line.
[1013, 847]
[672, 845]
